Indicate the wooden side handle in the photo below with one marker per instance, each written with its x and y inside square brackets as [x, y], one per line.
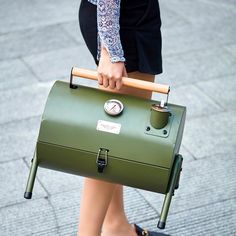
[135, 83]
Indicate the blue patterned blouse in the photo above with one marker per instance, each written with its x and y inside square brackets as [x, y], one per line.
[108, 14]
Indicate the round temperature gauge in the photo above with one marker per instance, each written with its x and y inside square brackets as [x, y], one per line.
[113, 107]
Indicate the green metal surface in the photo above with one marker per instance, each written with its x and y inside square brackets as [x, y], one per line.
[171, 188]
[159, 118]
[162, 132]
[31, 178]
[118, 170]
[69, 124]
[76, 137]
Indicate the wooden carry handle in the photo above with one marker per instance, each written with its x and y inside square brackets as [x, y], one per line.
[135, 83]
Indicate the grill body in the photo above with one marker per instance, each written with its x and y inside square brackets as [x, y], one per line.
[75, 130]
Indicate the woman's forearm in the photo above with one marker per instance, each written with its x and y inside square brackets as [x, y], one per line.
[108, 14]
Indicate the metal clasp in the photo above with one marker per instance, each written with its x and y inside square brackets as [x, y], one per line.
[102, 159]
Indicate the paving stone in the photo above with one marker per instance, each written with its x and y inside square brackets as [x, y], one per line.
[15, 74]
[213, 219]
[210, 135]
[196, 35]
[50, 232]
[229, 14]
[18, 139]
[171, 19]
[72, 28]
[57, 64]
[232, 49]
[70, 185]
[22, 103]
[68, 230]
[181, 34]
[66, 206]
[33, 41]
[223, 26]
[14, 177]
[198, 66]
[197, 102]
[182, 40]
[187, 155]
[212, 27]
[227, 29]
[222, 91]
[35, 13]
[229, 5]
[202, 182]
[56, 181]
[136, 207]
[200, 12]
[27, 219]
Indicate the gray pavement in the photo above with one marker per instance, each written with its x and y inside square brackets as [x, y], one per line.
[40, 41]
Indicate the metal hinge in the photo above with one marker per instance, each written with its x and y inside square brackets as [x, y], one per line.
[102, 159]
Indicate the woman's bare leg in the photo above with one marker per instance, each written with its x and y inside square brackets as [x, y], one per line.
[96, 197]
[116, 222]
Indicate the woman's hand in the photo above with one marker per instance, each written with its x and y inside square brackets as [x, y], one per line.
[110, 74]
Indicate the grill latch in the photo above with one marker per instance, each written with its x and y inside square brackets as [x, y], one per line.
[102, 159]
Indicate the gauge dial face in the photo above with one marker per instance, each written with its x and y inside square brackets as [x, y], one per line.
[113, 107]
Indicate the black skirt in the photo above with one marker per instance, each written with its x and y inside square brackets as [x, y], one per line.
[140, 33]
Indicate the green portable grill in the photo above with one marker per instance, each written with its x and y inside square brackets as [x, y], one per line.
[113, 137]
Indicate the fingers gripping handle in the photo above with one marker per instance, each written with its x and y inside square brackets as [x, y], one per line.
[135, 83]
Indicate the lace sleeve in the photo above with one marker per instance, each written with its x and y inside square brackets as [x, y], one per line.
[108, 14]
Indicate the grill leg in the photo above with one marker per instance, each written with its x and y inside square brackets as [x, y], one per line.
[31, 178]
[174, 181]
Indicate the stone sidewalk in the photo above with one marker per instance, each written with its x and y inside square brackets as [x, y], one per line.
[40, 41]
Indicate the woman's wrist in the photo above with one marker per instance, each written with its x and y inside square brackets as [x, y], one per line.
[117, 59]
[113, 57]
[105, 57]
